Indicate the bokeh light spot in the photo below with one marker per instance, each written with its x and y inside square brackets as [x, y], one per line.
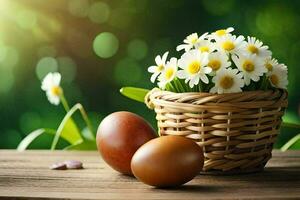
[99, 12]
[106, 45]
[67, 68]
[79, 8]
[137, 49]
[46, 65]
[26, 19]
[127, 71]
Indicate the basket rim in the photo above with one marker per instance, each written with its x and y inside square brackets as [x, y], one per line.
[224, 94]
[202, 100]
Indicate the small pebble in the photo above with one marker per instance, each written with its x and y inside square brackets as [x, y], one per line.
[58, 166]
[73, 164]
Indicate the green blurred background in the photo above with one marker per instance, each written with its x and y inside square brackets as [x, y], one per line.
[100, 46]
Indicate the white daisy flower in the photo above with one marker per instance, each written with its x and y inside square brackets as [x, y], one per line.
[255, 46]
[168, 74]
[251, 66]
[270, 63]
[206, 46]
[191, 41]
[221, 33]
[194, 67]
[217, 61]
[159, 67]
[227, 81]
[51, 85]
[278, 77]
[231, 44]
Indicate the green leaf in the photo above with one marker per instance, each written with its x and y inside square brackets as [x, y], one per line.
[293, 143]
[71, 132]
[291, 125]
[32, 136]
[68, 128]
[84, 145]
[134, 93]
[291, 117]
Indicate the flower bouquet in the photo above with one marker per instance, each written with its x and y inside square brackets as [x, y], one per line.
[226, 93]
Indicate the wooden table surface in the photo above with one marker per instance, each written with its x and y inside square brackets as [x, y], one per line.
[25, 175]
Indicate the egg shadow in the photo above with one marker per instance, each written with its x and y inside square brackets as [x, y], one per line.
[188, 188]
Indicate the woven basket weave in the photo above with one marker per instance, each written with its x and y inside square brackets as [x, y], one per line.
[236, 131]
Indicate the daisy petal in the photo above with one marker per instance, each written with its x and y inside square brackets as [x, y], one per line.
[204, 78]
[152, 69]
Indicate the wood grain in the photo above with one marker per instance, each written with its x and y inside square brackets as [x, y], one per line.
[26, 176]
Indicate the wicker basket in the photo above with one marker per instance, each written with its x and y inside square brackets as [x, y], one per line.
[236, 131]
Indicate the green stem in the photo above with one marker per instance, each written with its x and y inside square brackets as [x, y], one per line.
[68, 116]
[184, 85]
[290, 143]
[172, 89]
[180, 85]
[62, 125]
[87, 121]
[173, 84]
[64, 102]
[200, 86]
[263, 85]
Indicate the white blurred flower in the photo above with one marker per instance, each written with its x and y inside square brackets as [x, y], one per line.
[270, 63]
[217, 61]
[51, 85]
[159, 67]
[255, 46]
[206, 46]
[193, 65]
[191, 41]
[169, 73]
[231, 44]
[227, 81]
[251, 66]
[278, 77]
[221, 33]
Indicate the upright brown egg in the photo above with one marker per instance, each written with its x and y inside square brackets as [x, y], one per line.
[167, 161]
[119, 135]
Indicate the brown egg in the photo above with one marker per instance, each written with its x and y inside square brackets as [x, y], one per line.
[167, 161]
[119, 135]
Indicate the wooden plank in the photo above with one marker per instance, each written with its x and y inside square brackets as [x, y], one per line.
[26, 176]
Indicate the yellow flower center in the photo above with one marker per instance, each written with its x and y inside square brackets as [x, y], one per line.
[204, 49]
[169, 73]
[194, 67]
[248, 66]
[56, 90]
[269, 66]
[160, 68]
[221, 32]
[253, 49]
[274, 79]
[228, 45]
[214, 64]
[194, 40]
[226, 82]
